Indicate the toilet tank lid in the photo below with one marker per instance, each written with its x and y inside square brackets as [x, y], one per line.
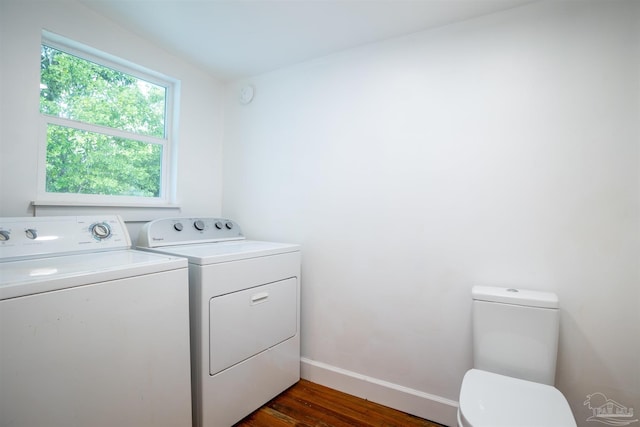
[515, 296]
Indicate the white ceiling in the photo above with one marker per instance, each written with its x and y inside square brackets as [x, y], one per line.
[240, 38]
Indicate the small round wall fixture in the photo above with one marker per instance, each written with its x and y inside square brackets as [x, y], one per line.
[246, 94]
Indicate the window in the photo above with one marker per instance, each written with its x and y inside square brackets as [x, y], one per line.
[106, 128]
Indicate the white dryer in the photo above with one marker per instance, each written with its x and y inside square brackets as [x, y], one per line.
[245, 314]
[92, 333]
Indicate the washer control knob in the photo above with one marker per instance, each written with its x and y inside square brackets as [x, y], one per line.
[101, 231]
[199, 225]
[229, 225]
[218, 225]
[178, 226]
[31, 233]
[5, 235]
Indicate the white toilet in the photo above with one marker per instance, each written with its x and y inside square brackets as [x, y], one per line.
[515, 344]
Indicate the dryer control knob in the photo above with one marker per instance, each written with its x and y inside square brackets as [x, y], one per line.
[178, 226]
[218, 225]
[31, 233]
[5, 235]
[199, 225]
[229, 225]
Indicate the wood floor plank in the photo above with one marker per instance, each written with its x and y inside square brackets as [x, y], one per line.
[359, 410]
[310, 413]
[307, 404]
[272, 417]
[341, 408]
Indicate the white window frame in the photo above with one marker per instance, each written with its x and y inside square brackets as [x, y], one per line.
[167, 197]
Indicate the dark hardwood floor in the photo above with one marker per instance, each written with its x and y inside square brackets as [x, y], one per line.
[307, 404]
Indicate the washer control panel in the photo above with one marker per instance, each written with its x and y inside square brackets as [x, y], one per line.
[41, 236]
[182, 231]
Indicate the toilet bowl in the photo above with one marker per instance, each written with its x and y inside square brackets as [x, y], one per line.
[494, 400]
[515, 342]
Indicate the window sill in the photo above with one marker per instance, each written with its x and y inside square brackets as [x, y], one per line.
[103, 204]
[130, 212]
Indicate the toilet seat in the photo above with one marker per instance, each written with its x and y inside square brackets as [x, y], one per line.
[493, 400]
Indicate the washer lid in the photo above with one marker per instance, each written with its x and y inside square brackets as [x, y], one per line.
[515, 296]
[27, 277]
[213, 253]
[493, 400]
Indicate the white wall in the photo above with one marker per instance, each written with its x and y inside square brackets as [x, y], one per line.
[499, 151]
[200, 134]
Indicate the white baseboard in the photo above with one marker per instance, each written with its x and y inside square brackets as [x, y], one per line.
[415, 402]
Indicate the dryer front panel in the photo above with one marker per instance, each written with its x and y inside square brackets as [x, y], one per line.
[244, 323]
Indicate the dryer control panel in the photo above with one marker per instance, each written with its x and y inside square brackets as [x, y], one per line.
[184, 231]
[25, 237]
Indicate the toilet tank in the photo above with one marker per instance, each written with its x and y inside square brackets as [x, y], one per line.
[515, 332]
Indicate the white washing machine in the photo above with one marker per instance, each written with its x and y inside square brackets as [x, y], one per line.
[245, 314]
[92, 333]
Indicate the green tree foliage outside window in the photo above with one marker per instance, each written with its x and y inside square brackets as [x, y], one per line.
[84, 155]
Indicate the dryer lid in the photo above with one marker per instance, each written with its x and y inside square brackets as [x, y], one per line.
[493, 400]
[214, 253]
